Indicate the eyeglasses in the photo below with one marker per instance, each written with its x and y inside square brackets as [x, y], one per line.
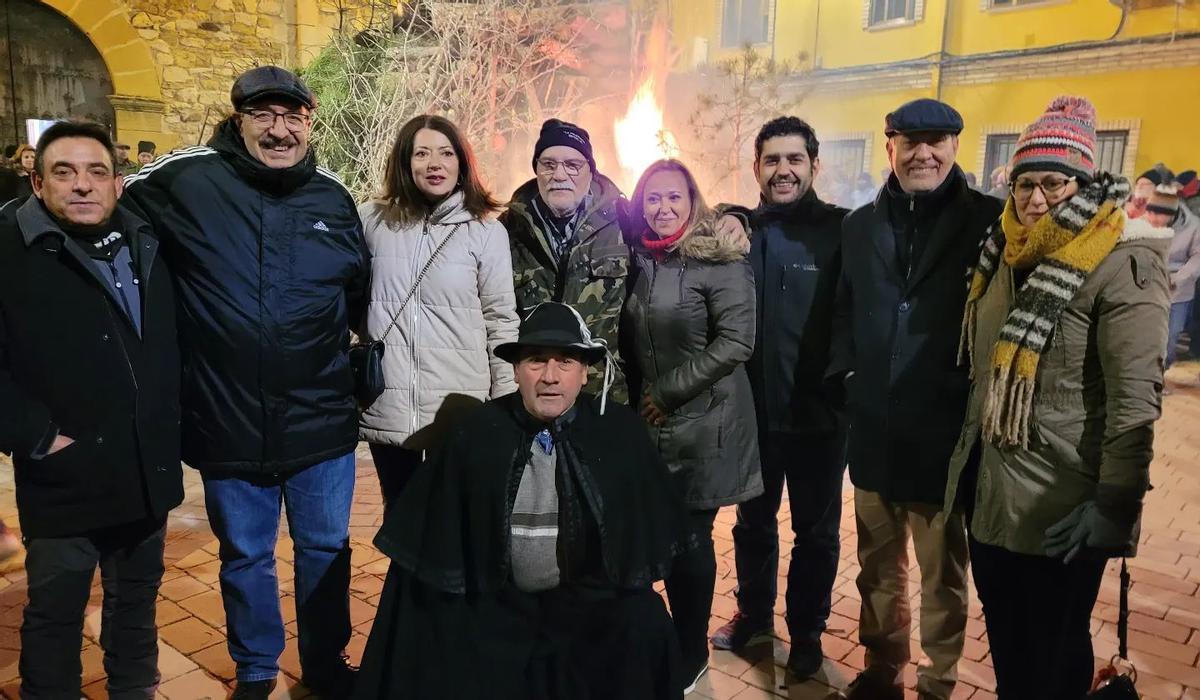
[1051, 187]
[265, 119]
[548, 166]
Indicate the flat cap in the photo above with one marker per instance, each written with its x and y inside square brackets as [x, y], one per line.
[923, 114]
[270, 81]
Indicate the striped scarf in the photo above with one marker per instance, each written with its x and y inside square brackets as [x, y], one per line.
[1062, 248]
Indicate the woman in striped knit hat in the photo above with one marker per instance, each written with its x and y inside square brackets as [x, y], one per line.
[1064, 330]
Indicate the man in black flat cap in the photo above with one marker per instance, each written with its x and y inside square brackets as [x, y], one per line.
[897, 323]
[270, 265]
[524, 551]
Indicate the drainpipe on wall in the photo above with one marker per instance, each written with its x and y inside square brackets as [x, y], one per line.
[941, 57]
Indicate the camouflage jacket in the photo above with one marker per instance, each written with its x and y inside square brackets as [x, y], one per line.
[591, 279]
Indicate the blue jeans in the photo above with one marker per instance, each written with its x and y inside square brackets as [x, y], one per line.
[1179, 318]
[244, 515]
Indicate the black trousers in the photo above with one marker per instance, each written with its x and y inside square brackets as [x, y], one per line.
[59, 572]
[1038, 616]
[395, 466]
[690, 590]
[813, 467]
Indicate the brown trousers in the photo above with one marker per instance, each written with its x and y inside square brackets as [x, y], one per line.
[940, 542]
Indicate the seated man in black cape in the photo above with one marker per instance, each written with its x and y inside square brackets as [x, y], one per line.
[523, 552]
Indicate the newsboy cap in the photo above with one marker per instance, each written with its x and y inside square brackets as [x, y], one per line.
[924, 114]
[270, 81]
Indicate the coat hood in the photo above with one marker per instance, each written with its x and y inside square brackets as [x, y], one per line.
[704, 245]
[1139, 232]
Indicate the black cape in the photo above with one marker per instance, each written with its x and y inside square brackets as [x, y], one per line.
[452, 625]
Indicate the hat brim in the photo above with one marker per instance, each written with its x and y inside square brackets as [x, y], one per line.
[511, 352]
[948, 130]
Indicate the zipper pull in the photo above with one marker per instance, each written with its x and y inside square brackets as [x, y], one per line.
[912, 204]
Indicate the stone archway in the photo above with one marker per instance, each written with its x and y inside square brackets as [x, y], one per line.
[137, 99]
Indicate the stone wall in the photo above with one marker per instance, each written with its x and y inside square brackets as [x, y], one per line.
[199, 47]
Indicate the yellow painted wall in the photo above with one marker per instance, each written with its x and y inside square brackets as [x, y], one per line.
[1162, 134]
[975, 30]
[1161, 99]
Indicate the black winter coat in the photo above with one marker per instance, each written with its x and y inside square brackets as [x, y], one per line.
[689, 322]
[70, 359]
[795, 251]
[271, 266]
[898, 331]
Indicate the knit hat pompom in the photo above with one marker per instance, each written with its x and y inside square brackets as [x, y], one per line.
[1073, 107]
[1063, 140]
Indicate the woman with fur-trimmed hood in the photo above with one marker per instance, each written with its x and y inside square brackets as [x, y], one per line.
[1065, 331]
[689, 324]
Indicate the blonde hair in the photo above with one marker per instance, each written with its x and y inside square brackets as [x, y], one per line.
[700, 218]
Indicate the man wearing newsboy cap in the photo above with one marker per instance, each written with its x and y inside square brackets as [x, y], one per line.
[895, 349]
[270, 264]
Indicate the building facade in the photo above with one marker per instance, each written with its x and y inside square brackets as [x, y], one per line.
[155, 70]
[999, 62]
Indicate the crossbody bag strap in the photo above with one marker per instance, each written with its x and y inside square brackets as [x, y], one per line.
[417, 282]
[1123, 614]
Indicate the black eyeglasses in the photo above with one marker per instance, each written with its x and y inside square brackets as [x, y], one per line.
[1051, 186]
[265, 118]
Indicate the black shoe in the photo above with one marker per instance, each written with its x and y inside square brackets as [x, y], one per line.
[870, 687]
[742, 631]
[253, 690]
[335, 682]
[805, 658]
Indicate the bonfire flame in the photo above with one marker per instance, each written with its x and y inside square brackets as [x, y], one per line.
[640, 136]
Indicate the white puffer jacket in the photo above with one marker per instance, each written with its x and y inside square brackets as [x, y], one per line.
[438, 360]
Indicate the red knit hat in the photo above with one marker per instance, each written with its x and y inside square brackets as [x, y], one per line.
[1063, 139]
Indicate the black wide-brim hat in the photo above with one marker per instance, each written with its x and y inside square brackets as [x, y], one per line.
[556, 326]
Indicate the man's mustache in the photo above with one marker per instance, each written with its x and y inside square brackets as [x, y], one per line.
[269, 141]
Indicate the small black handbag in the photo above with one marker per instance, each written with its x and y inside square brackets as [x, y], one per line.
[366, 358]
[1111, 683]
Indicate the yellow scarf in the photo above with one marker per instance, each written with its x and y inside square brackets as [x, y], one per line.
[1063, 247]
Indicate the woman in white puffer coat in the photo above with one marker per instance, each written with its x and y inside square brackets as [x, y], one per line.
[433, 217]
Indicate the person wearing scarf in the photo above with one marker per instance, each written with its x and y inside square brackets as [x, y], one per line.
[690, 321]
[1064, 330]
[524, 550]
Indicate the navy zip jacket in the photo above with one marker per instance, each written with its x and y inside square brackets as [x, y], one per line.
[795, 251]
[271, 268]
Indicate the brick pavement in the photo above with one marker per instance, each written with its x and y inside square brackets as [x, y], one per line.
[1164, 641]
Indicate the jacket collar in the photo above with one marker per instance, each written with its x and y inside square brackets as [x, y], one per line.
[278, 182]
[35, 221]
[799, 210]
[601, 213]
[937, 207]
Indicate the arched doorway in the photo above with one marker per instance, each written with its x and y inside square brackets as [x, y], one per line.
[49, 69]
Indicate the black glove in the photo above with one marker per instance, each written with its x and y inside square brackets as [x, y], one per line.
[1088, 526]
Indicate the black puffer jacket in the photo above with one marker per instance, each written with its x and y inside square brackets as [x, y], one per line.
[690, 325]
[271, 267]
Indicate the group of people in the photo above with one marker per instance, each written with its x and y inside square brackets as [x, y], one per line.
[572, 385]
